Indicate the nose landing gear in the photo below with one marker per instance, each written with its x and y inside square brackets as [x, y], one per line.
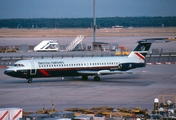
[29, 80]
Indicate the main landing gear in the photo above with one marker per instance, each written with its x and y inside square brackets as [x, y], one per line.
[84, 77]
[29, 80]
[96, 78]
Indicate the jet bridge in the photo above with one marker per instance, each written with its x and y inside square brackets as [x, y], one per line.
[47, 45]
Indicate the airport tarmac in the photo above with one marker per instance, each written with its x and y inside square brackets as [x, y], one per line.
[125, 90]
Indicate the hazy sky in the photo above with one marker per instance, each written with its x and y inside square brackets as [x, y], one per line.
[84, 8]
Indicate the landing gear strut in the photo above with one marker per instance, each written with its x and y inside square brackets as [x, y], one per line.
[84, 77]
[29, 80]
[96, 78]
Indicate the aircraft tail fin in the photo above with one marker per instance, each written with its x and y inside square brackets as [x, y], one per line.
[143, 46]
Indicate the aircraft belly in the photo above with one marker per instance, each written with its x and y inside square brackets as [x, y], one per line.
[67, 72]
[55, 73]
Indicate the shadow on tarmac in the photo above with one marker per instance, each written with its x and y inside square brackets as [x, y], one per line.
[112, 80]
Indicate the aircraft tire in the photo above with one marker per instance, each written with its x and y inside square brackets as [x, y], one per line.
[30, 80]
[96, 78]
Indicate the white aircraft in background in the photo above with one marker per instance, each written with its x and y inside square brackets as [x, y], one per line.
[83, 66]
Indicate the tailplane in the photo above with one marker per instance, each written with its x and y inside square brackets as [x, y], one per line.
[143, 46]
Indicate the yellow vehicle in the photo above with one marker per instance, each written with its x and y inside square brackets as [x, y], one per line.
[7, 49]
[122, 51]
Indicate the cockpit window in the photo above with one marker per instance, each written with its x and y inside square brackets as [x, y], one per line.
[18, 65]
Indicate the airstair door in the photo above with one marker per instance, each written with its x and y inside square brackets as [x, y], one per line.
[33, 69]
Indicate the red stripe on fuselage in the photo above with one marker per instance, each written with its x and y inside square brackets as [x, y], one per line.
[44, 73]
[139, 55]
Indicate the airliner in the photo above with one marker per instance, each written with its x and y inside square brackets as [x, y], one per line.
[83, 66]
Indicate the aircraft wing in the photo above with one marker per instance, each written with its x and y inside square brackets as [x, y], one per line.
[103, 72]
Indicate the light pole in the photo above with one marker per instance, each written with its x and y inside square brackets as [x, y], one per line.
[94, 25]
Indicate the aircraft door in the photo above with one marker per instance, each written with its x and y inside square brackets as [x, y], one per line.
[33, 69]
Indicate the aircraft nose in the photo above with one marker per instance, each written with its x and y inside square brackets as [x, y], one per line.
[9, 72]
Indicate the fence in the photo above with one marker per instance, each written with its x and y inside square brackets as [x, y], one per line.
[150, 58]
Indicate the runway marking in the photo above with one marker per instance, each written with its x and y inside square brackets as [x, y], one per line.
[159, 63]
